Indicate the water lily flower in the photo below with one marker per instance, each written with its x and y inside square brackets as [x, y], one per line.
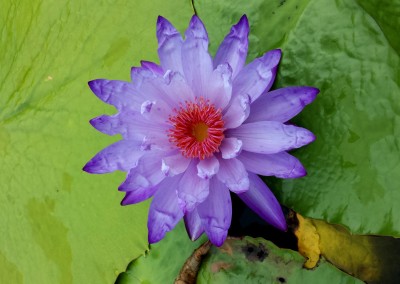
[195, 128]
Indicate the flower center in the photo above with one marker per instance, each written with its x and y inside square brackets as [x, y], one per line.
[197, 129]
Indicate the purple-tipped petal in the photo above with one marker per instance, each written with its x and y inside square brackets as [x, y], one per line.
[271, 137]
[216, 212]
[197, 62]
[230, 147]
[233, 49]
[262, 201]
[234, 175]
[219, 87]
[193, 225]
[153, 67]
[282, 165]
[258, 76]
[175, 164]
[208, 167]
[117, 93]
[109, 125]
[169, 45]
[147, 173]
[139, 76]
[282, 104]
[122, 155]
[164, 212]
[138, 195]
[192, 189]
[237, 111]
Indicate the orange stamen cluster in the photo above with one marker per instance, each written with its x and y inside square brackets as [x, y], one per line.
[198, 129]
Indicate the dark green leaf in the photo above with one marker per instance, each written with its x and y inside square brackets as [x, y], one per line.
[350, 51]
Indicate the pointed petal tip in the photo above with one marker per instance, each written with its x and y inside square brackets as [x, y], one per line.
[272, 56]
[154, 238]
[277, 220]
[92, 167]
[304, 137]
[298, 171]
[195, 19]
[94, 85]
[160, 19]
[217, 236]
[243, 24]
[124, 201]
[195, 233]
[244, 19]
[316, 90]
[196, 28]
[86, 168]
[281, 225]
[162, 23]
[309, 94]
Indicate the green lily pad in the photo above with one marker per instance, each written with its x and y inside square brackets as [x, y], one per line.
[163, 261]
[350, 51]
[59, 224]
[247, 260]
[259, 261]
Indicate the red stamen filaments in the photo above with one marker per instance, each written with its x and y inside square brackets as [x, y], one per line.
[198, 129]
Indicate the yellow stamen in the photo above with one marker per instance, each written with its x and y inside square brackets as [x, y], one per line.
[200, 131]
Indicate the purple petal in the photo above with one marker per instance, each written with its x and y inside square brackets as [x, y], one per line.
[216, 212]
[176, 90]
[261, 200]
[153, 67]
[208, 167]
[140, 75]
[147, 173]
[192, 189]
[174, 164]
[233, 48]
[230, 148]
[282, 104]
[258, 76]
[109, 125]
[135, 126]
[164, 212]
[122, 155]
[237, 112]
[117, 93]
[169, 45]
[234, 175]
[138, 195]
[282, 165]
[193, 225]
[157, 112]
[171, 89]
[197, 62]
[219, 87]
[270, 137]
